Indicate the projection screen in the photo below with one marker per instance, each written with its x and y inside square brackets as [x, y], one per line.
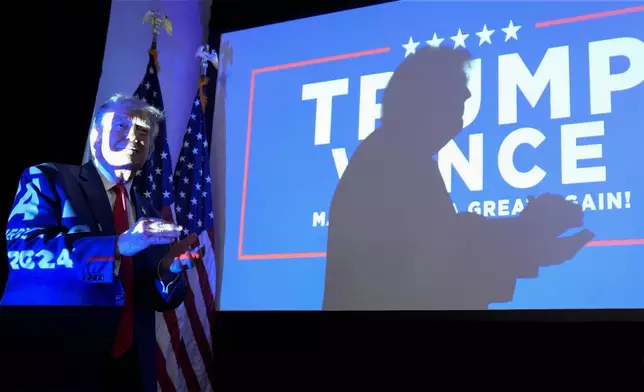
[436, 156]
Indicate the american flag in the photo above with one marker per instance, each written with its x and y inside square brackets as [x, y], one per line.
[154, 180]
[193, 209]
[175, 371]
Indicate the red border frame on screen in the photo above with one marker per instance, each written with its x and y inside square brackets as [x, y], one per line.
[305, 255]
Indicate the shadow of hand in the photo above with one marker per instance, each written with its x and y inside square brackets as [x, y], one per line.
[552, 215]
[565, 248]
[546, 218]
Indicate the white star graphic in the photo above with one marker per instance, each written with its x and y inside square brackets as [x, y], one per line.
[435, 41]
[511, 31]
[484, 35]
[410, 47]
[459, 39]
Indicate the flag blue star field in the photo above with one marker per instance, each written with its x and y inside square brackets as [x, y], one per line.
[192, 180]
[154, 180]
[556, 107]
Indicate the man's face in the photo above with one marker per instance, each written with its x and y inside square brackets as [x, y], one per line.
[123, 141]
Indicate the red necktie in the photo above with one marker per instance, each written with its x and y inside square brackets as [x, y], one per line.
[125, 334]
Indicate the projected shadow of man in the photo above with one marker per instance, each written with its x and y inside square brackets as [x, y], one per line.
[395, 240]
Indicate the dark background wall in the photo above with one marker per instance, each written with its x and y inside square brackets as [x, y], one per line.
[46, 119]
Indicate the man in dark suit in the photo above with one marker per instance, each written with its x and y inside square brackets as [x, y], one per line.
[81, 240]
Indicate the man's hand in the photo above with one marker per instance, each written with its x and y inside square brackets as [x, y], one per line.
[181, 255]
[186, 260]
[147, 232]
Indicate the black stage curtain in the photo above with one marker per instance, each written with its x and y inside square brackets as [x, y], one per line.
[54, 53]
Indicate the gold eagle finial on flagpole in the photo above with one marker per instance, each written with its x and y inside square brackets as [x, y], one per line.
[206, 55]
[157, 20]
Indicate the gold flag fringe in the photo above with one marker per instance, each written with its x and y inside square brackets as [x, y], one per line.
[203, 81]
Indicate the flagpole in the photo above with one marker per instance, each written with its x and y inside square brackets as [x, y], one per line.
[206, 56]
[153, 178]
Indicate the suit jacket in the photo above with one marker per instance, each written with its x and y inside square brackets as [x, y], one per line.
[61, 243]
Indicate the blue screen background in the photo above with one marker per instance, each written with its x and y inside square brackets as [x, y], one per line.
[289, 177]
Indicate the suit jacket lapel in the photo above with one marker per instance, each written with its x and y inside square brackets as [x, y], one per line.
[97, 197]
